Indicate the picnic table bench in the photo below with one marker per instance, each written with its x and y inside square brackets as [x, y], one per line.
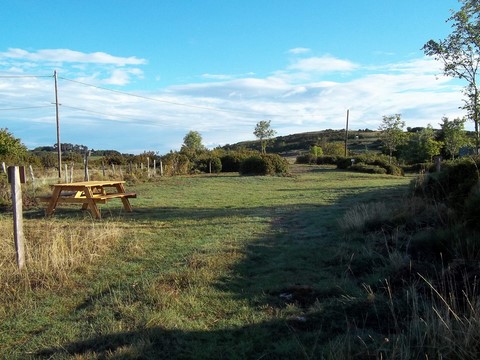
[89, 194]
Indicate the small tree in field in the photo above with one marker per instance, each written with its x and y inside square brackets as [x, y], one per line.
[392, 134]
[192, 141]
[263, 132]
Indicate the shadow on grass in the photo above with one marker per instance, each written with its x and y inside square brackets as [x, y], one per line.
[294, 266]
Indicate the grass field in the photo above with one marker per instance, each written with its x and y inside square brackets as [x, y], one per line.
[219, 266]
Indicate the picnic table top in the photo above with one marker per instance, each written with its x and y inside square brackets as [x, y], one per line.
[90, 183]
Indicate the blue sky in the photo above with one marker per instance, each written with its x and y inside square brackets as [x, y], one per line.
[138, 75]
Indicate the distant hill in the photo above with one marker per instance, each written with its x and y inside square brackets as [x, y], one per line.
[358, 141]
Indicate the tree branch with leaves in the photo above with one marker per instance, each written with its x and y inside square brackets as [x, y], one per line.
[460, 54]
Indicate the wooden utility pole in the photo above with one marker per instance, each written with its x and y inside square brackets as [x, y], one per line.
[346, 134]
[59, 146]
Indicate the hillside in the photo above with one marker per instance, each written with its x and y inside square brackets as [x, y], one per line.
[358, 141]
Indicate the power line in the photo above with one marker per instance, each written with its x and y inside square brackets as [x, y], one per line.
[26, 108]
[24, 76]
[162, 101]
[183, 104]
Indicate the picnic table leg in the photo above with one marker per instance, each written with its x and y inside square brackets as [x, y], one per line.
[53, 201]
[91, 203]
[126, 204]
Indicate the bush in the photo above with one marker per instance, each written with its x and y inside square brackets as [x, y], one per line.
[344, 162]
[327, 160]
[453, 184]
[265, 164]
[370, 169]
[306, 159]
[231, 162]
[207, 164]
[370, 164]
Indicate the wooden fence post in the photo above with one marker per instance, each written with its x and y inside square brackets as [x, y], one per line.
[71, 173]
[32, 176]
[161, 168]
[86, 176]
[4, 168]
[15, 180]
[66, 173]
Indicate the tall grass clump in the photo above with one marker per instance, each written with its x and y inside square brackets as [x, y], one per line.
[419, 262]
[54, 250]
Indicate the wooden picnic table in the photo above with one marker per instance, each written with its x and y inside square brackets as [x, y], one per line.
[89, 194]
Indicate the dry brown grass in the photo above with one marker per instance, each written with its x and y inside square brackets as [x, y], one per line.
[54, 249]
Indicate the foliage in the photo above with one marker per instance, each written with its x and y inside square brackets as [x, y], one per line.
[333, 148]
[454, 184]
[370, 169]
[192, 141]
[264, 132]
[459, 54]
[306, 159]
[392, 134]
[316, 151]
[264, 164]
[420, 146]
[208, 164]
[176, 163]
[11, 148]
[453, 136]
[114, 159]
[231, 160]
[369, 163]
[327, 160]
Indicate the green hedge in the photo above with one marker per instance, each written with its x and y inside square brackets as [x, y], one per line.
[264, 164]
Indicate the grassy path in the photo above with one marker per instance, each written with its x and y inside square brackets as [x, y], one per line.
[208, 267]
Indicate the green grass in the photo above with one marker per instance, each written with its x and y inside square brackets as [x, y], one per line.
[207, 267]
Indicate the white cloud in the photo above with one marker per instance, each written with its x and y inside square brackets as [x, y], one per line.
[216, 76]
[324, 64]
[299, 50]
[70, 56]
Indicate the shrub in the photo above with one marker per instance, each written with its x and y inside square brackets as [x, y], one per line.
[453, 184]
[327, 160]
[370, 169]
[266, 164]
[207, 164]
[370, 163]
[306, 159]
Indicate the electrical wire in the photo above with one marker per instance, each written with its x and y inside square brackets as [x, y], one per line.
[159, 100]
[183, 104]
[27, 107]
[24, 76]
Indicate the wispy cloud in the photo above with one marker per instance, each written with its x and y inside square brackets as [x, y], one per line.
[323, 64]
[70, 56]
[299, 50]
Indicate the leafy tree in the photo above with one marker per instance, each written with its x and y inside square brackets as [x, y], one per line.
[453, 135]
[316, 151]
[333, 148]
[193, 142]
[459, 52]
[264, 132]
[421, 145]
[392, 134]
[10, 147]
